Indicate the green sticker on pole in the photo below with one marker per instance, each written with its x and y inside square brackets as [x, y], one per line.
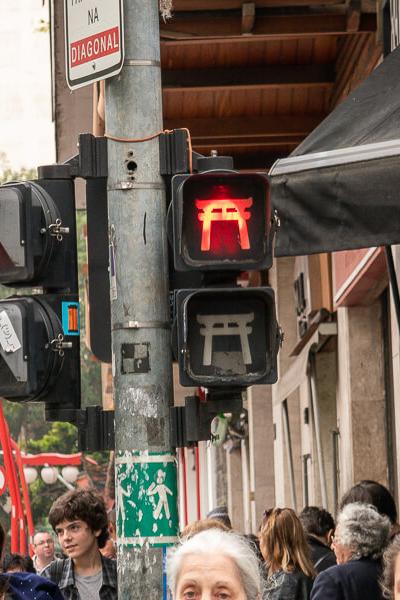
[147, 498]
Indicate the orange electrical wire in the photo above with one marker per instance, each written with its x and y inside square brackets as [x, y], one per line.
[151, 137]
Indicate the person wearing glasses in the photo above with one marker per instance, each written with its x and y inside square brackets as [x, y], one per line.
[360, 538]
[20, 582]
[43, 544]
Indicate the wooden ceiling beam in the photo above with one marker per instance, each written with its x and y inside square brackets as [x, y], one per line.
[178, 80]
[222, 27]
[195, 5]
[237, 130]
[248, 142]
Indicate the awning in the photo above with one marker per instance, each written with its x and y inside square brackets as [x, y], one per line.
[340, 189]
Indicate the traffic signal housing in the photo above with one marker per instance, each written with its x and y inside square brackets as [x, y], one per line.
[221, 221]
[226, 336]
[39, 327]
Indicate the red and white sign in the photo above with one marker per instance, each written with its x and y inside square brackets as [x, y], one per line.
[94, 40]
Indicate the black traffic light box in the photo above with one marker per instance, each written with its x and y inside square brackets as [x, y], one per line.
[226, 336]
[221, 221]
[39, 331]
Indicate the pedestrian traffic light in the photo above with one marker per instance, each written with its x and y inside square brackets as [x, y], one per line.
[227, 336]
[221, 221]
[39, 327]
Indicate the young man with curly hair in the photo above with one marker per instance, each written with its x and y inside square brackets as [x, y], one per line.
[79, 519]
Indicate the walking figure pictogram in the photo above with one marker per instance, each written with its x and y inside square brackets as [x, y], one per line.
[159, 487]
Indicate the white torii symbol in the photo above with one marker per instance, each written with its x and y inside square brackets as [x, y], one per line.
[216, 325]
[159, 487]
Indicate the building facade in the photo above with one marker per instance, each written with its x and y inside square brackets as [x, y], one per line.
[333, 417]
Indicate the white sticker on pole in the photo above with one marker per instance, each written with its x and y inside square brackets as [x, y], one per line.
[94, 40]
[8, 338]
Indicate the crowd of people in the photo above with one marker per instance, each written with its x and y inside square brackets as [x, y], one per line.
[305, 556]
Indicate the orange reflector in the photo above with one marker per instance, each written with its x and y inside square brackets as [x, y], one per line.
[73, 324]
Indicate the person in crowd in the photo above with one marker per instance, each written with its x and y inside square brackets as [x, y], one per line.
[285, 550]
[202, 525]
[319, 527]
[79, 519]
[391, 571]
[17, 563]
[43, 544]
[372, 492]
[17, 585]
[214, 564]
[221, 514]
[360, 538]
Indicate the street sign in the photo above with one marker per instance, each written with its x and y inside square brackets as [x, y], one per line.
[147, 506]
[94, 40]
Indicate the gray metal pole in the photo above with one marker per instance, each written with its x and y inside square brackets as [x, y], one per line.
[146, 491]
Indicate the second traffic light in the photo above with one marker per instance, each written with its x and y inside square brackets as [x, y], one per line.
[227, 336]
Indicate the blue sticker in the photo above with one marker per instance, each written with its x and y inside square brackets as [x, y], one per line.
[71, 321]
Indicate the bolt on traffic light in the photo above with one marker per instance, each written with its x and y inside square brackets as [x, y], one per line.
[39, 331]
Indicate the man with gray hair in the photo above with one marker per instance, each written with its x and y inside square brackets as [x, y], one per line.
[360, 538]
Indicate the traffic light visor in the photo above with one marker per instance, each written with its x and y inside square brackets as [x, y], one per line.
[14, 208]
[225, 221]
[28, 363]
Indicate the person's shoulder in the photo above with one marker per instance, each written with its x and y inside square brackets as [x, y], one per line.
[295, 585]
[54, 570]
[298, 575]
[361, 564]
[109, 566]
[348, 569]
[42, 588]
[110, 562]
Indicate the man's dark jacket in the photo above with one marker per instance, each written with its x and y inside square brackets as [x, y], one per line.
[355, 580]
[322, 557]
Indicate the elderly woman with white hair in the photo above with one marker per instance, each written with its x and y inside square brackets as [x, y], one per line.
[214, 565]
[360, 538]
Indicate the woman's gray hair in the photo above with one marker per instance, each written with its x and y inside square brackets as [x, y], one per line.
[389, 564]
[361, 528]
[224, 543]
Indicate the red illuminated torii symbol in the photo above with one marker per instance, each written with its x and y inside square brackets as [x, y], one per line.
[227, 209]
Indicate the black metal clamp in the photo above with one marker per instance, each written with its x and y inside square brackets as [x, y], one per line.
[192, 423]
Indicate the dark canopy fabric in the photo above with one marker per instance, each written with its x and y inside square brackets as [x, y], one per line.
[326, 206]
